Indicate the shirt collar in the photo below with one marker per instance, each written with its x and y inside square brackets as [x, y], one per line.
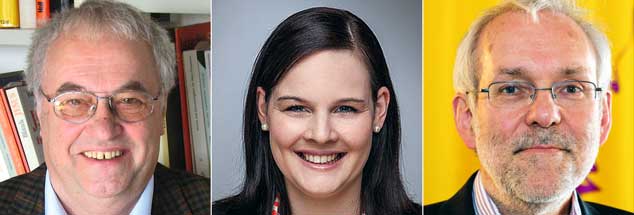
[483, 204]
[52, 205]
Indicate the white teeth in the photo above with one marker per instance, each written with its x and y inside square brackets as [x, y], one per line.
[319, 159]
[102, 155]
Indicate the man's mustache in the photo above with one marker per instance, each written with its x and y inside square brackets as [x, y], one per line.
[543, 137]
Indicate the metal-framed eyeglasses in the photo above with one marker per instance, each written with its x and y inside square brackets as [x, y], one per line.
[518, 94]
[79, 106]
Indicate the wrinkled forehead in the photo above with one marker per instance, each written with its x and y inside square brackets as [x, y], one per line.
[553, 46]
[99, 63]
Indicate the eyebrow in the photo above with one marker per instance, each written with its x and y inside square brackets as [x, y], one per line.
[130, 85]
[295, 98]
[520, 72]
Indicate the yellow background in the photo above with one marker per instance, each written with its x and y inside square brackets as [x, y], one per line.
[447, 161]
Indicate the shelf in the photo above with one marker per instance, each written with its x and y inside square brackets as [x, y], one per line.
[15, 37]
[168, 6]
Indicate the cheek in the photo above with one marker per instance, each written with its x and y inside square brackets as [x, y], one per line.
[285, 131]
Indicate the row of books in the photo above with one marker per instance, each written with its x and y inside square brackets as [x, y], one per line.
[193, 104]
[20, 142]
[30, 13]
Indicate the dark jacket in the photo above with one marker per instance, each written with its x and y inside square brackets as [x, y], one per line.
[175, 192]
[462, 203]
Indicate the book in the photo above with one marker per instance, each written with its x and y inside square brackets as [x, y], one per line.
[185, 38]
[9, 14]
[42, 12]
[25, 117]
[27, 14]
[57, 6]
[195, 73]
[163, 156]
[6, 164]
[10, 136]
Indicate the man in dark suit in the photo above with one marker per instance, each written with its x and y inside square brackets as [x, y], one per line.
[100, 74]
[533, 101]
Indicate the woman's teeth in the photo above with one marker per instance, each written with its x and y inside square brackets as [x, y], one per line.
[321, 159]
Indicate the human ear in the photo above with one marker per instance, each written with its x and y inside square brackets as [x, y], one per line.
[262, 108]
[606, 117]
[380, 108]
[463, 117]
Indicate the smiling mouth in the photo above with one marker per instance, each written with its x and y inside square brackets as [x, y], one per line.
[321, 159]
[97, 155]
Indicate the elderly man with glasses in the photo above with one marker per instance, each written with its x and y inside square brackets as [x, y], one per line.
[533, 102]
[100, 74]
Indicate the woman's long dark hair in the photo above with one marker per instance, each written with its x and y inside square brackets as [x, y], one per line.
[300, 35]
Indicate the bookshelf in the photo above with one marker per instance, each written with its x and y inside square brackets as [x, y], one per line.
[14, 42]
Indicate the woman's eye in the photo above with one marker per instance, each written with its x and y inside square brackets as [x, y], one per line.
[296, 108]
[345, 109]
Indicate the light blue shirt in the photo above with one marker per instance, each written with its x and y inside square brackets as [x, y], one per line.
[52, 205]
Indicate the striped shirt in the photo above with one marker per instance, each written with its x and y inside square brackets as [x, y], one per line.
[484, 205]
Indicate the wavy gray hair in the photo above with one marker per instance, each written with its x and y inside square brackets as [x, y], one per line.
[96, 18]
[466, 75]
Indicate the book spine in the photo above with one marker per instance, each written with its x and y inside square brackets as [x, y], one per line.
[27, 14]
[23, 111]
[203, 113]
[42, 12]
[10, 134]
[4, 172]
[7, 163]
[181, 83]
[9, 14]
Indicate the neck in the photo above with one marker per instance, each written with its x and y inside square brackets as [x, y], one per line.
[347, 201]
[76, 201]
[509, 204]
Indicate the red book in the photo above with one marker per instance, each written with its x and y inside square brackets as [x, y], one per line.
[42, 12]
[185, 38]
[11, 135]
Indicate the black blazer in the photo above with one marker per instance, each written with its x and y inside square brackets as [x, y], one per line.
[175, 192]
[462, 203]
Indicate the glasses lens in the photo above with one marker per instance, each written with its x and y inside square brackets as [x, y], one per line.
[75, 106]
[510, 94]
[132, 106]
[573, 92]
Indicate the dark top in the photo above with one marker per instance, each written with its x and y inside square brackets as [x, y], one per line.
[175, 192]
[462, 203]
[231, 206]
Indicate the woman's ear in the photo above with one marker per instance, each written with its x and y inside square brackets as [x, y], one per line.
[262, 107]
[380, 108]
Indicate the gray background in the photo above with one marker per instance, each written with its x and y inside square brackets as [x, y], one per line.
[239, 31]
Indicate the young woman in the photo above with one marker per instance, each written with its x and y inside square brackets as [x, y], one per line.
[321, 123]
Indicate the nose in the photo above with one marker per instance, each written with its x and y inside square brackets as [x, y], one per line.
[320, 129]
[103, 125]
[543, 111]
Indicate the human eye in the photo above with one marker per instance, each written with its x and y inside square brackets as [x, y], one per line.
[296, 108]
[345, 109]
[509, 89]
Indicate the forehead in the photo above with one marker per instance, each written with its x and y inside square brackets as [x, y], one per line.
[550, 47]
[326, 72]
[99, 64]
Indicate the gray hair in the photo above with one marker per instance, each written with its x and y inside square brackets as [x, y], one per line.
[96, 18]
[466, 76]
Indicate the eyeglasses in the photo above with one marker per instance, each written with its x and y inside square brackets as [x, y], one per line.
[79, 106]
[517, 94]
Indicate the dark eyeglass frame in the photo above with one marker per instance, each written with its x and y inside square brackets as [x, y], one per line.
[93, 108]
[535, 89]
